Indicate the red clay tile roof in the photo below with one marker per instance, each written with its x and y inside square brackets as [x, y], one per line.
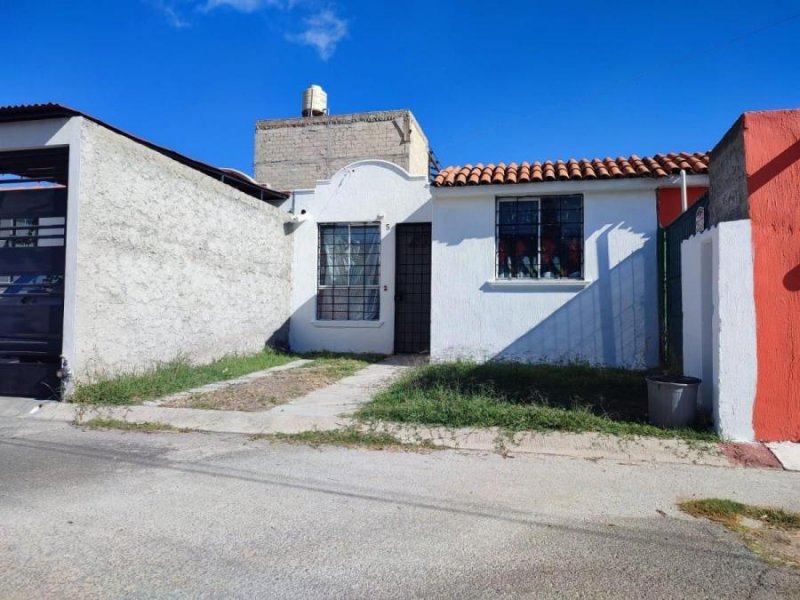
[660, 165]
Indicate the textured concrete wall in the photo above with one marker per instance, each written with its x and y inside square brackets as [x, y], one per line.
[293, 154]
[772, 157]
[728, 193]
[356, 194]
[610, 318]
[170, 262]
[719, 324]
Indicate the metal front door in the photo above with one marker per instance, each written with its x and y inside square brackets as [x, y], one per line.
[32, 230]
[412, 307]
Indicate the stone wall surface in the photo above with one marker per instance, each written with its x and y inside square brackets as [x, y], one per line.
[728, 193]
[170, 262]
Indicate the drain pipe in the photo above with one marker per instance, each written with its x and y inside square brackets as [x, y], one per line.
[684, 192]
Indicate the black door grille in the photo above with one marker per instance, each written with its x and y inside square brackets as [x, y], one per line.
[412, 307]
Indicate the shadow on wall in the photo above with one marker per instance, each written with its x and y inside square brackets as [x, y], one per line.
[279, 340]
[791, 281]
[613, 322]
[773, 168]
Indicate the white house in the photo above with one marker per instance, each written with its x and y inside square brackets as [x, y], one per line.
[468, 265]
[352, 241]
[142, 255]
[553, 261]
[547, 271]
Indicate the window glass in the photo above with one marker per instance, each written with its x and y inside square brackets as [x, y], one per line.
[540, 238]
[349, 272]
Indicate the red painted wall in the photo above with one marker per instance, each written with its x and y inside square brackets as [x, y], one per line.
[669, 202]
[772, 163]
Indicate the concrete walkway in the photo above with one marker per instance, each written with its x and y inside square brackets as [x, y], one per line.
[324, 409]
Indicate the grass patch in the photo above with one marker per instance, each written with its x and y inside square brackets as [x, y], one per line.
[728, 513]
[773, 534]
[521, 397]
[349, 437]
[175, 376]
[145, 427]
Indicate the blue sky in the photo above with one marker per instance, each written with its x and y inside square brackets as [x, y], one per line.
[489, 82]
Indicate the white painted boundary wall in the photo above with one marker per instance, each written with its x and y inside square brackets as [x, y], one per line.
[169, 261]
[719, 324]
[610, 318]
[357, 193]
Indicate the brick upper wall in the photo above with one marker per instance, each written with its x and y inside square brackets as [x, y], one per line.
[294, 154]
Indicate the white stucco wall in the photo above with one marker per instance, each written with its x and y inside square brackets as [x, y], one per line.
[611, 318]
[170, 262]
[719, 324]
[355, 194]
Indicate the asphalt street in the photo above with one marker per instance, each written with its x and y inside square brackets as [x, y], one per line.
[88, 514]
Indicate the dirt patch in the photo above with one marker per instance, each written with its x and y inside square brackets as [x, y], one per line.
[262, 394]
[750, 455]
[779, 546]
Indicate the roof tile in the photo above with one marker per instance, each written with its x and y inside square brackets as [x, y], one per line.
[659, 165]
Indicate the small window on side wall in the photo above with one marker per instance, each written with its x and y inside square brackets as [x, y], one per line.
[540, 237]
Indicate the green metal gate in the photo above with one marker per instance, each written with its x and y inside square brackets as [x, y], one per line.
[693, 221]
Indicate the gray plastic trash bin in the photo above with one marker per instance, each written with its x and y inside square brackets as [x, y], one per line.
[672, 400]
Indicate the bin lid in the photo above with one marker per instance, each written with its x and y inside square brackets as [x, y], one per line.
[679, 379]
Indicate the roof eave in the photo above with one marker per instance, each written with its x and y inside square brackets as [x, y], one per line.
[38, 112]
[568, 185]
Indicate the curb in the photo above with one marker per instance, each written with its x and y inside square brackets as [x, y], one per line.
[587, 446]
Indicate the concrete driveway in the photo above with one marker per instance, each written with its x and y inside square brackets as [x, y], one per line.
[87, 514]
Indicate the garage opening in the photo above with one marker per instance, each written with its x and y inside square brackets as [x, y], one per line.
[33, 218]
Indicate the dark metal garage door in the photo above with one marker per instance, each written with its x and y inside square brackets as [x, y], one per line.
[32, 234]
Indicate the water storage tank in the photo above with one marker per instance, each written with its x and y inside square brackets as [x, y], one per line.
[315, 101]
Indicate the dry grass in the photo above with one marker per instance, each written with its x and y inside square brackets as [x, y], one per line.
[772, 533]
[350, 437]
[279, 387]
[143, 427]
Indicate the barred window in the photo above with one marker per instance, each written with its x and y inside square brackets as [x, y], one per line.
[348, 286]
[540, 238]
